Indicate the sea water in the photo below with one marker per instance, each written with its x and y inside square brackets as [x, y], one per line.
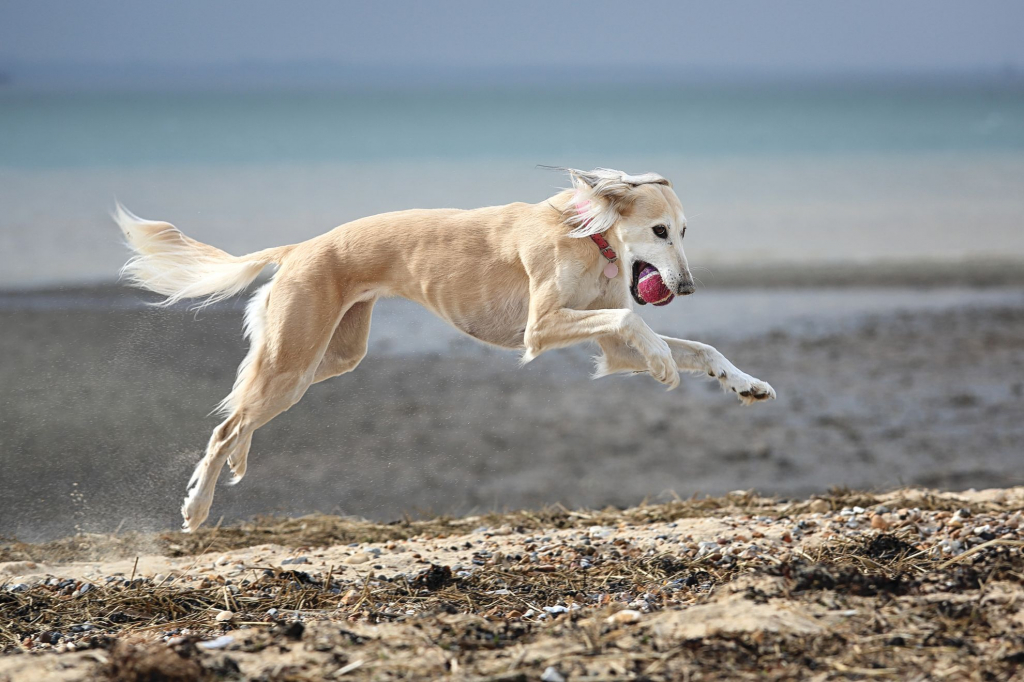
[767, 174]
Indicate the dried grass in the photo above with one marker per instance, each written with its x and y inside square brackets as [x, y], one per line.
[908, 613]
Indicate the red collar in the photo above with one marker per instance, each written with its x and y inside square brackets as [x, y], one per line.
[606, 250]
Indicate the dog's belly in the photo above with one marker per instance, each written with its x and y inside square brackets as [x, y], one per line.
[499, 325]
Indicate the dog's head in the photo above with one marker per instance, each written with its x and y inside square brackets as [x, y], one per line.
[640, 212]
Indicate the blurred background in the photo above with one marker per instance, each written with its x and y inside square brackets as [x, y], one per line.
[852, 173]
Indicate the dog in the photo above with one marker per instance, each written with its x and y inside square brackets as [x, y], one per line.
[528, 277]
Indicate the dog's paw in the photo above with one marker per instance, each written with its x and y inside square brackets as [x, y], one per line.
[748, 389]
[193, 512]
[662, 366]
[757, 392]
[654, 349]
[664, 370]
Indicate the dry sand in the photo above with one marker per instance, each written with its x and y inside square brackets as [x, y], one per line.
[912, 584]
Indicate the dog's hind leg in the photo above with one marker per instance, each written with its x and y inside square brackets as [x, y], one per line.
[255, 329]
[344, 352]
[348, 344]
[298, 324]
[237, 459]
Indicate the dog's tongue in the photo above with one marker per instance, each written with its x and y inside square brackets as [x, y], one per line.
[652, 288]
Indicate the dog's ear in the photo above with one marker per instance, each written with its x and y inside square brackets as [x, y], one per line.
[645, 179]
[599, 197]
[610, 182]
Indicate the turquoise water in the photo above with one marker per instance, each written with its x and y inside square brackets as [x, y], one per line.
[781, 174]
[105, 129]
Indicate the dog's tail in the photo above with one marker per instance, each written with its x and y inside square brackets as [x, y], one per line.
[169, 263]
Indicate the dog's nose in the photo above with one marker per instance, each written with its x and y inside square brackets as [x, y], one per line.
[686, 288]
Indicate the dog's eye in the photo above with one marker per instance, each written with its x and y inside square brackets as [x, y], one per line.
[660, 231]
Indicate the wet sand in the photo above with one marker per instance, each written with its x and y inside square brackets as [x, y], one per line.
[103, 407]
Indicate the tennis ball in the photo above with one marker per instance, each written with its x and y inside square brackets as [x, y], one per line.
[652, 288]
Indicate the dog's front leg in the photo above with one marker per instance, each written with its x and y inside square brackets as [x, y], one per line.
[565, 327]
[693, 356]
[689, 356]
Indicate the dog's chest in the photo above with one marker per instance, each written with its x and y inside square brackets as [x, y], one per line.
[594, 286]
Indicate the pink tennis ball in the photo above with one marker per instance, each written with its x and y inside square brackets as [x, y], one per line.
[651, 287]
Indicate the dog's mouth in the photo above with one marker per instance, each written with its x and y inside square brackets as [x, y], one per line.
[634, 282]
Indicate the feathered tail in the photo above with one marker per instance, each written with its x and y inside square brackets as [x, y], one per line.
[169, 263]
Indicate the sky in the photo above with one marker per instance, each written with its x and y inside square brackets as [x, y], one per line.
[782, 36]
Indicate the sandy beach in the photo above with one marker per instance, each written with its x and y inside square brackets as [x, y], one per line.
[913, 584]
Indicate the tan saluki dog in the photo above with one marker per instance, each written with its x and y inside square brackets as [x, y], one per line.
[521, 276]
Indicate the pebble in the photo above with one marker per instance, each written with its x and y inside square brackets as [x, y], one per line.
[296, 560]
[219, 643]
[359, 558]
[624, 617]
[50, 637]
[878, 521]
[224, 616]
[551, 674]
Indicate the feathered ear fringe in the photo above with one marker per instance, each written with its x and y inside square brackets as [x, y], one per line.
[589, 214]
[597, 196]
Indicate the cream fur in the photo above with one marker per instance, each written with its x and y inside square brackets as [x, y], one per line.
[518, 276]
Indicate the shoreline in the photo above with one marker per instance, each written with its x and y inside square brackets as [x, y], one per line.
[979, 273]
